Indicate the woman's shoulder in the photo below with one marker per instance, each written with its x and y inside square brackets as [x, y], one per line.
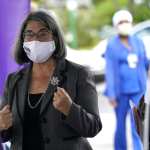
[79, 71]
[19, 72]
[77, 67]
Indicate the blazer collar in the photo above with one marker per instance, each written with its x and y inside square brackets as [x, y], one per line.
[60, 67]
[59, 72]
[60, 75]
[22, 89]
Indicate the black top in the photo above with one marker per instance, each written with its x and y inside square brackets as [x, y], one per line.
[32, 137]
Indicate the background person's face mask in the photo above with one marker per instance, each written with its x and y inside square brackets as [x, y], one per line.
[39, 52]
[124, 29]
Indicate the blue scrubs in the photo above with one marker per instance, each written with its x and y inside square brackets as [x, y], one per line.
[126, 73]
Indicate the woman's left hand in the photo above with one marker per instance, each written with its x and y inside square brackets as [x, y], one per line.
[62, 101]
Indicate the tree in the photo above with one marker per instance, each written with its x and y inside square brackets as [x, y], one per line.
[131, 6]
[147, 3]
[116, 4]
[90, 21]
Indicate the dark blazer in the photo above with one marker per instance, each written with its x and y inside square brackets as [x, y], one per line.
[59, 132]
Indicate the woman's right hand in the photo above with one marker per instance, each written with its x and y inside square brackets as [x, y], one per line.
[5, 118]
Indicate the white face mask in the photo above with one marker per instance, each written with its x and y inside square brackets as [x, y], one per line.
[124, 29]
[39, 52]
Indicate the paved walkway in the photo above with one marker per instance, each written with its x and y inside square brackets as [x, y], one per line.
[104, 140]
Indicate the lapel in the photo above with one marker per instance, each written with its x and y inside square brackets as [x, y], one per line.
[60, 75]
[22, 90]
[62, 72]
[71, 77]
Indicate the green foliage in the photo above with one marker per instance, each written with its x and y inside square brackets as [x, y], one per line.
[39, 2]
[90, 21]
[141, 13]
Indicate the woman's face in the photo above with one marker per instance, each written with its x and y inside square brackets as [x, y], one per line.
[38, 42]
[36, 31]
[124, 28]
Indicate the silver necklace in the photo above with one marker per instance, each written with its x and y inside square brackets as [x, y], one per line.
[53, 81]
[36, 104]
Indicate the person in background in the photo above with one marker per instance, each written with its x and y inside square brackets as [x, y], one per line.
[126, 74]
[51, 103]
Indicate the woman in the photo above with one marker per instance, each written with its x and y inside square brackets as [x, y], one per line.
[51, 103]
[126, 73]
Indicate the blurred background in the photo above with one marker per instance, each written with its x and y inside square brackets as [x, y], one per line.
[87, 26]
[86, 22]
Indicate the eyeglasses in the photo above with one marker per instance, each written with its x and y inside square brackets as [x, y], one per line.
[42, 35]
[124, 21]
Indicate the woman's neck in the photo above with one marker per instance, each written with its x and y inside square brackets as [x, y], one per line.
[125, 41]
[43, 69]
[124, 38]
